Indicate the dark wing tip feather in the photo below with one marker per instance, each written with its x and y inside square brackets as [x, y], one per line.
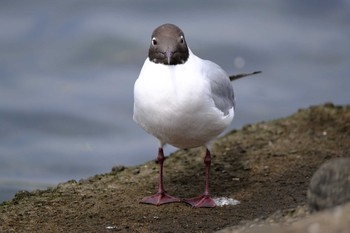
[238, 76]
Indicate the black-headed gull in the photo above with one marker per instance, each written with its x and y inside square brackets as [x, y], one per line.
[182, 100]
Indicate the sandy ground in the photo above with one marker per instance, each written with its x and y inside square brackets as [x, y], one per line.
[266, 167]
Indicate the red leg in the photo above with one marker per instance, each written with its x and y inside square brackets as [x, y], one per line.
[161, 197]
[204, 200]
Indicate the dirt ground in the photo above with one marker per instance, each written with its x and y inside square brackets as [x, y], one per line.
[266, 166]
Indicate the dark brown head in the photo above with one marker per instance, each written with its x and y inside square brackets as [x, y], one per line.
[168, 45]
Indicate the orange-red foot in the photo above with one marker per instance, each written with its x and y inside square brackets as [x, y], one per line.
[159, 199]
[204, 201]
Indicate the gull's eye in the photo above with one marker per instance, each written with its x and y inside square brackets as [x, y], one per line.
[182, 40]
[154, 41]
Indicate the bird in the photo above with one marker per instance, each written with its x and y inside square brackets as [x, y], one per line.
[184, 101]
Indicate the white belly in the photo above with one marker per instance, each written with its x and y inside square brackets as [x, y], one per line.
[174, 104]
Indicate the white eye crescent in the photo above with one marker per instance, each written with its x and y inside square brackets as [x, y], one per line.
[182, 40]
[154, 41]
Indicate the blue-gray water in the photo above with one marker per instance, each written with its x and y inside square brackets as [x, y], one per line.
[67, 70]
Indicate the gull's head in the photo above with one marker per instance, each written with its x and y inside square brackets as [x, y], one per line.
[168, 45]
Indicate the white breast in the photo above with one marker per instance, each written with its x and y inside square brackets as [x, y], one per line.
[174, 104]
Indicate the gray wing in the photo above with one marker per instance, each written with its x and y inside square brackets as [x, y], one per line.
[221, 88]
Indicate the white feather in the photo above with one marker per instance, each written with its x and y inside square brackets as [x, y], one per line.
[175, 103]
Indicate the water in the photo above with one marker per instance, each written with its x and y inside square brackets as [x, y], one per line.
[67, 70]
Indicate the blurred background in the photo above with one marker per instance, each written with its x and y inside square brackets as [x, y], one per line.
[67, 70]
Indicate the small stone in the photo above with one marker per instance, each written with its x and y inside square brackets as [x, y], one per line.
[330, 185]
[136, 171]
[117, 169]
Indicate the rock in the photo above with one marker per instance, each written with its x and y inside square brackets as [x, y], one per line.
[330, 185]
[332, 220]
